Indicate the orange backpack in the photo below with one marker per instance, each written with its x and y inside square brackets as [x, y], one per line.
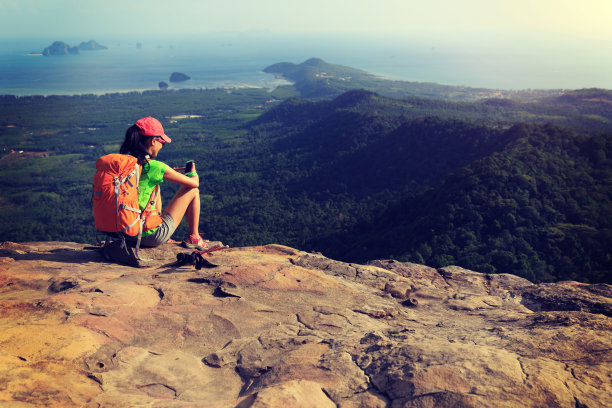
[115, 198]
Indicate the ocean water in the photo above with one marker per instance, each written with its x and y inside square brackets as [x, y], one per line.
[237, 60]
[124, 67]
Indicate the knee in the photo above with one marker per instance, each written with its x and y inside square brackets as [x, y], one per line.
[190, 190]
[195, 192]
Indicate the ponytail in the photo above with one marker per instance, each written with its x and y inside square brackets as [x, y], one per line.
[134, 145]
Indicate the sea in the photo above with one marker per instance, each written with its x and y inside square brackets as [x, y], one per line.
[236, 60]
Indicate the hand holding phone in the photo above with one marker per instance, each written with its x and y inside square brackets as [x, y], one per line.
[189, 166]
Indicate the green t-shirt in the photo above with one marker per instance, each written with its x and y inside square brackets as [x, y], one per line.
[151, 175]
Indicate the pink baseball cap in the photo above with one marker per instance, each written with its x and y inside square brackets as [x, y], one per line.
[152, 127]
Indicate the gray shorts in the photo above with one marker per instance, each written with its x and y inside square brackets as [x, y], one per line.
[162, 234]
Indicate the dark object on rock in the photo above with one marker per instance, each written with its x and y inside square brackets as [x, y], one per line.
[179, 77]
[163, 85]
[410, 302]
[195, 258]
[225, 291]
[118, 251]
[91, 45]
[60, 48]
[58, 286]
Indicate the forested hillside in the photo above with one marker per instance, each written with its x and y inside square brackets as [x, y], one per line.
[493, 185]
[533, 200]
[540, 207]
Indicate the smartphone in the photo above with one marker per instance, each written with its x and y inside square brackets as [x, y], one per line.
[188, 166]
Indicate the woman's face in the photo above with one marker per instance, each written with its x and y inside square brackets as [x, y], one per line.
[156, 144]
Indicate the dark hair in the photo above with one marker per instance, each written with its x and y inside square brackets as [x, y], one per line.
[135, 145]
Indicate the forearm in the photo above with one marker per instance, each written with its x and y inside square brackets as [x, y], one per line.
[174, 176]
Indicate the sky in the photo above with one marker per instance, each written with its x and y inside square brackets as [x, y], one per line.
[584, 20]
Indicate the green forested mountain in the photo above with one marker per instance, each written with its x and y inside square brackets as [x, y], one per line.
[539, 207]
[494, 185]
[533, 200]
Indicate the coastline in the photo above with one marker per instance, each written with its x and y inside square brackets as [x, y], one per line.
[212, 58]
[231, 86]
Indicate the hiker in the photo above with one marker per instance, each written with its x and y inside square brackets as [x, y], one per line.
[144, 140]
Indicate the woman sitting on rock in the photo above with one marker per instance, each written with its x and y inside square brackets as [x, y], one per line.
[144, 140]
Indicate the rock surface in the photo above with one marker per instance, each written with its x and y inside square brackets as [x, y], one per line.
[272, 326]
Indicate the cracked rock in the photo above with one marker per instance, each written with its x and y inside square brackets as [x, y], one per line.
[272, 326]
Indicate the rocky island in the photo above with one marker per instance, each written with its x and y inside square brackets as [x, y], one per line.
[61, 48]
[272, 326]
[91, 45]
[179, 77]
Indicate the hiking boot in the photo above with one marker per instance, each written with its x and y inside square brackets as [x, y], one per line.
[196, 243]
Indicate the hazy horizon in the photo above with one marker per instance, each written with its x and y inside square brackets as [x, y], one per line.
[589, 19]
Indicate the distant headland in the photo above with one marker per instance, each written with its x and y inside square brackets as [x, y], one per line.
[61, 48]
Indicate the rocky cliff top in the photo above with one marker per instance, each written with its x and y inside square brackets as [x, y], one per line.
[273, 326]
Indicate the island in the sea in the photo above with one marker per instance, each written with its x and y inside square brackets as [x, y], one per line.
[61, 48]
[179, 77]
[91, 45]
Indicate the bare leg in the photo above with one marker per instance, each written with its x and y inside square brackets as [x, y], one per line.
[193, 215]
[186, 201]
